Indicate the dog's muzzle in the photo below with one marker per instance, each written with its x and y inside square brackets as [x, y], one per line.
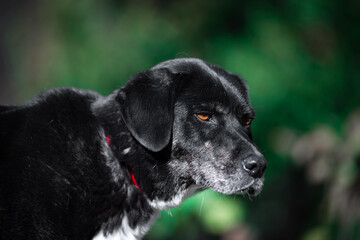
[255, 166]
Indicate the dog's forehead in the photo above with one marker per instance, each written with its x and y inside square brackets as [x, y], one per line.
[234, 86]
[210, 83]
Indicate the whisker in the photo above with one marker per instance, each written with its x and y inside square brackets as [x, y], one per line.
[169, 212]
[202, 201]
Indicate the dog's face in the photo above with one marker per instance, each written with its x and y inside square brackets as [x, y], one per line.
[204, 113]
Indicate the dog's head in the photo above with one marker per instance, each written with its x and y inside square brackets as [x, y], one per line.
[204, 114]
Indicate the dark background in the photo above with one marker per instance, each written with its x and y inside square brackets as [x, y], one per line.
[300, 58]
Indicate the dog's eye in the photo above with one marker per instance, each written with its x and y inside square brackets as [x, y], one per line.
[248, 121]
[203, 117]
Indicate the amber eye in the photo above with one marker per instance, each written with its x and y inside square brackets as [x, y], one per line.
[248, 122]
[203, 117]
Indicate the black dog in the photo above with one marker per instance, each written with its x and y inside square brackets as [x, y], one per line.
[77, 165]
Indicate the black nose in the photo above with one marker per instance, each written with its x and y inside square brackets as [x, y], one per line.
[255, 166]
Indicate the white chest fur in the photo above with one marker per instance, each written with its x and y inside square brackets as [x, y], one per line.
[125, 232]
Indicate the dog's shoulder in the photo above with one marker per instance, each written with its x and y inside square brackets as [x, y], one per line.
[64, 98]
[56, 98]
[51, 110]
[50, 103]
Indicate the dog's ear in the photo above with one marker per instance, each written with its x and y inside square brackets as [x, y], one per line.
[147, 106]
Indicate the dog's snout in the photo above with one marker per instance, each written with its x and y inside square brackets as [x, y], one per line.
[255, 166]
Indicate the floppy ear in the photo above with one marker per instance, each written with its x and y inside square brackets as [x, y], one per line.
[147, 106]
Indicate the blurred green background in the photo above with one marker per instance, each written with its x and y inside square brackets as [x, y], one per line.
[300, 58]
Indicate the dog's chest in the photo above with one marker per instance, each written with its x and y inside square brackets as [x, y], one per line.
[126, 232]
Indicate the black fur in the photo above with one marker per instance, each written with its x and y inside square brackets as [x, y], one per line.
[60, 179]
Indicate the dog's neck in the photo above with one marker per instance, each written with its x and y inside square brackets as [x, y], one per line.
[132, 164]
[146, 169]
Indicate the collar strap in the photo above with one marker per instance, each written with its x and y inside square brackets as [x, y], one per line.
[129, 169]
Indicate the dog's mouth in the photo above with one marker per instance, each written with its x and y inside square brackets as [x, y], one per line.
[252, 189]
[246, 189]
[249, 190]
[244, 185]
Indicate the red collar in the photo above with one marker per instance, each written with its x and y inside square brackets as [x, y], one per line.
[129, 168]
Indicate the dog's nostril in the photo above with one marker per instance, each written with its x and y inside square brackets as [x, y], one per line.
[250, 165]
[255, 167]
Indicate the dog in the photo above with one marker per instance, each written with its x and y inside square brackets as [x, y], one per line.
[78, 165]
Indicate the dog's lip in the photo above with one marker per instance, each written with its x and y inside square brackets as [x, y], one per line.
[247, 189]
[251, 191]
[253, 188]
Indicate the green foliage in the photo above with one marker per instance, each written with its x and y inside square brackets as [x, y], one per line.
[203, 212]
